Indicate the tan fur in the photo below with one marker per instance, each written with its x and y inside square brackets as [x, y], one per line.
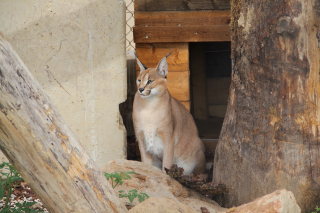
[161, 120]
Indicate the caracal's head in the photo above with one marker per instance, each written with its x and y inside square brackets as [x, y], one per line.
[152, 81]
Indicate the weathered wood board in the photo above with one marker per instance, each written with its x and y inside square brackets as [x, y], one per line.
[200, 26]
[181, 5]
[181, 34]
[181, 18]
[42, 148]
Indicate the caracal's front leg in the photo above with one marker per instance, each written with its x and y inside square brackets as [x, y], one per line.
[168, 152]
[145, 156]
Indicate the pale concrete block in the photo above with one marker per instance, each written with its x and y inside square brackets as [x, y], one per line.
[76, 51]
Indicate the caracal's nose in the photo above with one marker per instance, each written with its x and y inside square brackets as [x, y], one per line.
[141, 90]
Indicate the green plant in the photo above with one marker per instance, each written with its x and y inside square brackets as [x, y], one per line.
[8, 182]
[317, 210]
[117, 178]
[133, 194]
[24, 207]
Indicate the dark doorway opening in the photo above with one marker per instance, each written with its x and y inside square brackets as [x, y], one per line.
[210, 69]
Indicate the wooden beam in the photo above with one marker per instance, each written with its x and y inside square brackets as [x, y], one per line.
[42, 148]
[186, 18]
[182, 26]
[207, 33]
[181, 5]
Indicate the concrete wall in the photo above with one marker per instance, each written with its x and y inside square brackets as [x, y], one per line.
[76, 51]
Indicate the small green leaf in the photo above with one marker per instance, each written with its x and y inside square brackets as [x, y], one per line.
[116, 175]
[5, 210]
[107, 175]
[2, 165]
[144, 194]
[131, 197]
[16, 179]
[28, 204]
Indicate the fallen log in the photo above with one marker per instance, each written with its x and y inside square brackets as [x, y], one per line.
[42, 148]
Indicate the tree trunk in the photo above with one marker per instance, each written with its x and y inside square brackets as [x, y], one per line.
[42, 147]
[269, 139]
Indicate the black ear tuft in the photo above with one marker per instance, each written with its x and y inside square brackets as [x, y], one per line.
[140, 63]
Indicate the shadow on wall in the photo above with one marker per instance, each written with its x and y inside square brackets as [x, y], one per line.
[127, 106]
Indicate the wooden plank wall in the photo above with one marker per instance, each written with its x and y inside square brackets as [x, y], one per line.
[181, 5]
[178, 65]
[182, 26]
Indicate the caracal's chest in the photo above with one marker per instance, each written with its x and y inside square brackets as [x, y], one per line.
[151, 122]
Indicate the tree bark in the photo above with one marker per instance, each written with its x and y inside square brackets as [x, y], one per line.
[270, 136]
[42, 148]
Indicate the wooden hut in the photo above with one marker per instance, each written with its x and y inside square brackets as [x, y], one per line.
[197, 32]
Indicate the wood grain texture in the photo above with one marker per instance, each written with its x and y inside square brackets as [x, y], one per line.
[181, 5]
[181, 18]
[204, 33]
[270, 135]
[178, 85]
[42, 148]
[151, 54]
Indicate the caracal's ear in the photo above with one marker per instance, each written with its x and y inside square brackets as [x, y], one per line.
[162, 67]
[141, 65]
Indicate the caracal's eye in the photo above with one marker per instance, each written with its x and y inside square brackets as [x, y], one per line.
[139, 81]
[150, 82]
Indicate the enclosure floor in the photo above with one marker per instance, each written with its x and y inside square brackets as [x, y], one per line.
[210, 128]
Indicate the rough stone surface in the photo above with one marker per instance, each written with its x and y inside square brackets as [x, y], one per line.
[280, 201]
[76, 51]
[155, 183]
[161, 205]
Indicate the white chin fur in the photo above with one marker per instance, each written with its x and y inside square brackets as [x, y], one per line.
[144, 96]
[152, 93]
